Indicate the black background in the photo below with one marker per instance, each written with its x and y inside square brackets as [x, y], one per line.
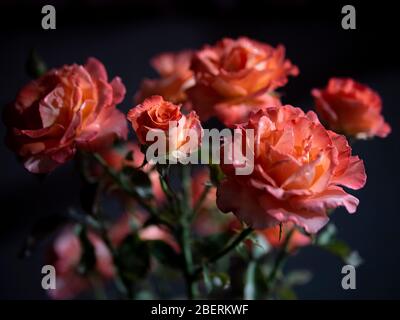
[124, 35]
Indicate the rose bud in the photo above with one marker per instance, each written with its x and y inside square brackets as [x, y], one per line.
[70, 108]
[351, 108]
[299, 168]
[235, 77]
[181, 133]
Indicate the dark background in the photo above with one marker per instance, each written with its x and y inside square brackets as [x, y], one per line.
[124, 35]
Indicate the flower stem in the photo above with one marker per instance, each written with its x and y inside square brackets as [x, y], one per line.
[186, 214]
[117, 179]
[203, 196]
[279, 261]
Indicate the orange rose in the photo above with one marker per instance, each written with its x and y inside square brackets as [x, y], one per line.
[66, 109]
[298, 169]
[157, 115]
[297, 239]
[235, 77]
[175, 77]
[351, 108]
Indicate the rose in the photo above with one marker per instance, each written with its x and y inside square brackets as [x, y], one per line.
[298, 169]
[235, 77]
[66, 251]
[65, 255]
[175, 77]
[277, 236]
[159, 116]
[351, 108]
[66, 109]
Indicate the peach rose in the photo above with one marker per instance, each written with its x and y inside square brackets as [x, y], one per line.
[175, 77]
[235, 77]
[66, 109]
[299, 167]
[157, 115]
[65, 255]
[297, 238]
[351, 108]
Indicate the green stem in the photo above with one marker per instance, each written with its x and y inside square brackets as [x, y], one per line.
[203, 196]
[279, 261]
[186, 214]
[117, 179]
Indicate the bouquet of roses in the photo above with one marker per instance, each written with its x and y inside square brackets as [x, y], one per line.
[184, 211]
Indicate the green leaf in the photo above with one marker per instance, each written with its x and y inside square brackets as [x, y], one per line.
[339, 248]
[134, 258]
[87, 261]
[137, 180]
[35, 66]
[327, 240]
[164, 253]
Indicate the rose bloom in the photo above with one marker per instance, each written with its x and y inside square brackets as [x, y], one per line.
[235, 77]
[157, 115]
[175, 77]
[65, 255]
[66, 109]
[296, 241]
[351, 108]
[299, 167]
[66, 251]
